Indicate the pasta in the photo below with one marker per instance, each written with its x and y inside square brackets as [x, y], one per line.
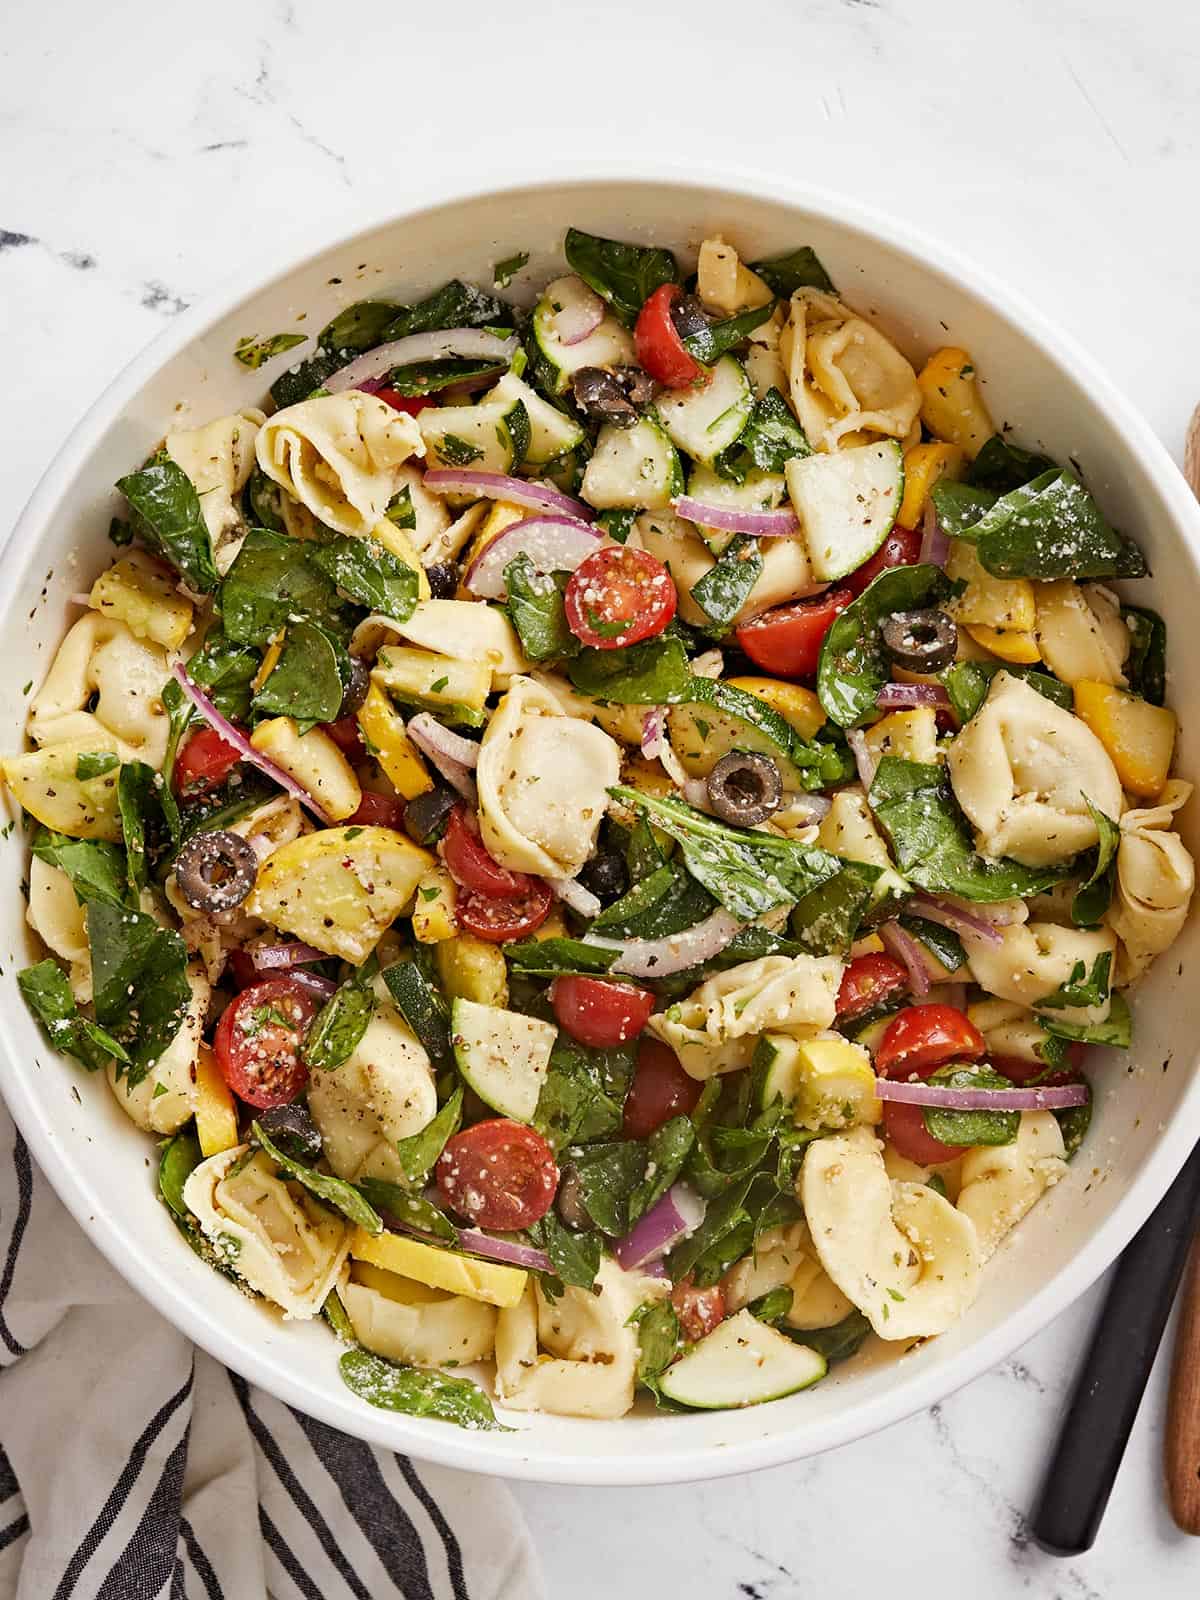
[381, 1093]
[101, 664]
[1155, 880]
[846, 379]
[218, 459]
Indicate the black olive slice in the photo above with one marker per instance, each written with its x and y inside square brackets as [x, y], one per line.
[355, 691]
[569, 1202]
[600, 394]
[920, 641]
[292, 1128]
[425, 817]
[216, 870]
[606, 875]
[745, 788]
[443, 580]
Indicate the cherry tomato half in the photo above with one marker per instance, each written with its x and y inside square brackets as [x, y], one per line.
[598, 1012]
[1019, 1071]
[204, 762]
[498, 920]
[660, 350]
[786, 641]
[904, 1128]
[867, 982]
[699, 1310]
[901, 548]
[920, 1039]
[619, 596]
[409, 403]
[377, 811]
[347, 735]
[661, 1089]
[472, 866]
[258, 1041]
[500, 1174]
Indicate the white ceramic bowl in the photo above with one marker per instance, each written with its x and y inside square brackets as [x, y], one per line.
[1148, 1108]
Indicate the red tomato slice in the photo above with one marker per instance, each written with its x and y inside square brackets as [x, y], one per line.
[901, 548]
[867, 982]
[904, 1127]
[659, 348]
[661, 1089]
[409, 403]
[347, 735]
[497, 920]
[1020, 1072]
[920, 1039]
[699, 1310]
[472, 866]
[598, 1012]
[500, 1174]
[619, 596]
[204, 762]
[241, 968]
[377, 811]
[786, 642]
[258, 1040]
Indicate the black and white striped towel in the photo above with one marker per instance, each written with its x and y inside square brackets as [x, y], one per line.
[134, 1467]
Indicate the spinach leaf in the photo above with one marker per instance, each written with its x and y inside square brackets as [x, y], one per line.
[1092, 898]
[421, 1005]
[1082, 988]
[549, 958]
[271, 582]
[225, 670]
[262, 498]
[608, 1176]
[336, 1316]
[180, 1157]
[854, 666]
[725, 587]
[967, 683]
[773, 1306]
[642, 854]
[748, 944]
[96, 868]
[795, 269]
[139, 979]
[418, 1392]
[916, 808]
[625, 275]
[47, 992]
[141, 816]
[254, 353]
[659, 1341]
[575, 1257]
[1073, 1124]
[503, 272]
[420, 1151]
[413, 1210]
[667, 1149]
[454, 305]
[535, 609]
[970, 1127]
[235, 799]
[839, 1343]
[400, 510]
[359, 327]
[94, 764]
[826, 921]
[724, 1236]
[306, 681]
[335, 1192]
[665, 902]
[458, 452]
[655, 672]
[583, 1096]
[1146, 668]
[770, 439]
[747, 872]
[1116, 1030]
[959, 506]
[167, 516]
[428, 377]
[1052, 528]
[617, 523]
[1001, 466]
[369, 575]
[724, 1155]
[942, 943]
[714, 339]
[335, 1031]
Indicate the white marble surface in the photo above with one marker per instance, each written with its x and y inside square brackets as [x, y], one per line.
[144, 147]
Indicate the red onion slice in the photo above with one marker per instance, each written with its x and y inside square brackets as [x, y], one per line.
[572, 893]
[906, 696]
[654, 731]
[679, 1213]
[898, 942]
[1054, 1097]
[467, 344]
[580, 310]
[653, 1269]
[315, 984]
[279, 957]
[552, 543]
[863, 759]
[506, 1250]
[658, 958]
[935, 909]
[807, 809]
[450, 753]
[935, 547]
[498, 486]
[758, 524]
[245, 749]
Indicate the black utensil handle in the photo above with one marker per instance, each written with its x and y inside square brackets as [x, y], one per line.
[1115, 1371]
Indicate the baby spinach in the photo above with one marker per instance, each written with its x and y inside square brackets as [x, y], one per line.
[167, 516]
[1116, 1030]
[667, 1148]
[503, 272]
[666, 901]
[617, 523]
[609, 1175]
[139, 978]
[1082, 988]
[967, 683]
[773, 1306]
[714, 339]
[725, 587]
[854, 666]
[418, 1391]
[826, 921]
[454, 305]
[959, 506]
[655, 672]
[180, 1157]
[411, 1210]
[1073, 1124]
[420, 1151]
[724, 1236]
[1093, 896]
[225, 669]
[254, 353]
[1146, 667]
[141, 811]
[95, 763]
[1002, 466]
[420, 1003]
[916, 808]
[659, 1341]
[770, 439]
[271, 582]
[360, 326]
[550, 958]
[575, 1257]
[306, 681]
[95, 867]
[336, 1030]
[427, 377]
[748, 872]
[839, 1343]
[371, 576]
[583, 1096]
[625, 275]
[335, 1314]
[535, 609]
[942, 943]
[335, 1192]
[1052, 528]
[970, 1127]
[795, 269]
[47, 992]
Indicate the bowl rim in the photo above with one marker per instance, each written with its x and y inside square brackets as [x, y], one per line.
[449, 1446]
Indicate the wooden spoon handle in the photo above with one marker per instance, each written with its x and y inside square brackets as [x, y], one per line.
[1183, 1408]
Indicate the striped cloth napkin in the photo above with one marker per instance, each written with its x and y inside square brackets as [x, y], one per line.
[134, 1467]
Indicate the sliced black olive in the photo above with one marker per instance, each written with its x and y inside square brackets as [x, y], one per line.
[355, 691]
[216, 870]
[600, 394]
[443, 580]
[638, 385]
[745, 788]
[920, 641]
[606, 875]
[569, 1202]
[689, 316]
[293, 1130]
[425, 817]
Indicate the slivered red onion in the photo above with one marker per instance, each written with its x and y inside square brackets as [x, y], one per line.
[905, 696]
[654, 730]
[679, 1213]
[313, 982]
[450, 753]
[468, 344]
[807, 808]
[552, 543]
[653, 1269]
[863, 759]
[758, 524]
[1054, 1097]
[935, 547]
[279, 957]
[935, 909]
[658, 958]
[898, 942]
[235, 737]
[572, 893]
[498, 486]
[506, 1250]
[580, 311]
[694, 790]
[953, 995]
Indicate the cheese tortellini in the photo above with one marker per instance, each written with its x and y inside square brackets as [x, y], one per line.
[100, 660]
[1001, 1183]
[163, 1101]
[1155, 879]
[273, 1234]
[1033, 959]
[218, 458]
[60, 922]
[786, 1257]
[1080, 632]
[846, 379]
[408, 1321]
[716, 1028]
[339, 455]
[543, 781]
[1024, 769]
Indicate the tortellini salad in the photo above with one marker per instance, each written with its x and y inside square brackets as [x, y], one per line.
[603, 833]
